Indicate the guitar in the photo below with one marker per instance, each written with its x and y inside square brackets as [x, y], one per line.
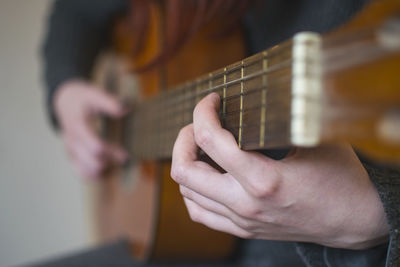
[309, 90]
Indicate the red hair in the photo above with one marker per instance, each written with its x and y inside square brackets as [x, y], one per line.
[180, 28]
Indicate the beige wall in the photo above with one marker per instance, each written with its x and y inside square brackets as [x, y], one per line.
[41, 199]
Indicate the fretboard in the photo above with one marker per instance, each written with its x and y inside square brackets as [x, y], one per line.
[262, 102]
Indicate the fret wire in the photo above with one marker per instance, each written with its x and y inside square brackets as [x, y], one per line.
[224, 94]
[263, 100]
[241, 107]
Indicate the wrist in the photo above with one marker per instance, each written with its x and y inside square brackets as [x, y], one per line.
[368, 220]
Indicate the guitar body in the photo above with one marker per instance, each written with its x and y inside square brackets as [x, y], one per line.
[142, 203]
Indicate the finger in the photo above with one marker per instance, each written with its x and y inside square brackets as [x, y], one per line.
[197, 175]
[214, 221]
[101, 101]
[86, 136]
[116, 154]
[205, 202]
[88, 164]
[83, 173]
[96, 146]
[249, 168]
[185, 149]
[217, 208]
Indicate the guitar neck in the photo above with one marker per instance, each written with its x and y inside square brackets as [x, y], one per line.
[283, 96]
[257, 95]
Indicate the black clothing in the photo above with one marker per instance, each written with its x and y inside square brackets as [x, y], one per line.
[79, 30]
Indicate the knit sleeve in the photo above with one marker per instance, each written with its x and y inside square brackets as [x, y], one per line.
[77, 31]
[387, 182]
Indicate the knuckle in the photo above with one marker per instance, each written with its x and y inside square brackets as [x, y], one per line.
[185, 129]
[246, 224]
[179, 173]
[271, 219]
[249, 211]
[203, 138]
[263, 189]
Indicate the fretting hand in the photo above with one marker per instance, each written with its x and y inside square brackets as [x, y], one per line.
[321, 195]
[76, 103]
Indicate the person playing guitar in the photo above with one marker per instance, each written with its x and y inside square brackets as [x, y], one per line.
[329, 207]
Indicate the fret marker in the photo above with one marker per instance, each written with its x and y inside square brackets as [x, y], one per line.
[241, 106]
[263, 100]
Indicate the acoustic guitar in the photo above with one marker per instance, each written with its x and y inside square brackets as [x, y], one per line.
[340, 87]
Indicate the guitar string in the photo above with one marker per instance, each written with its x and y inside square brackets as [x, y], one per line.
[187, 112]
[167, 141]
[272, 52]
[224, 85]
[185, 97]
[188, 121]
[170, 115]
[274, 86]
[174, 126]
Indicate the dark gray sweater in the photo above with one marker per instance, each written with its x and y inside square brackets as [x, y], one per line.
[79, 30]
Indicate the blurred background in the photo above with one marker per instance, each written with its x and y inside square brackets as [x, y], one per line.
[42, 201]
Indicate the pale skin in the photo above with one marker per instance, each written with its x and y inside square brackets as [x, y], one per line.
[76, 102]
[321, 195]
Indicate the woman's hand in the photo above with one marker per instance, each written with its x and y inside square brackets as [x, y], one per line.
[76, 103]
[321, 195]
